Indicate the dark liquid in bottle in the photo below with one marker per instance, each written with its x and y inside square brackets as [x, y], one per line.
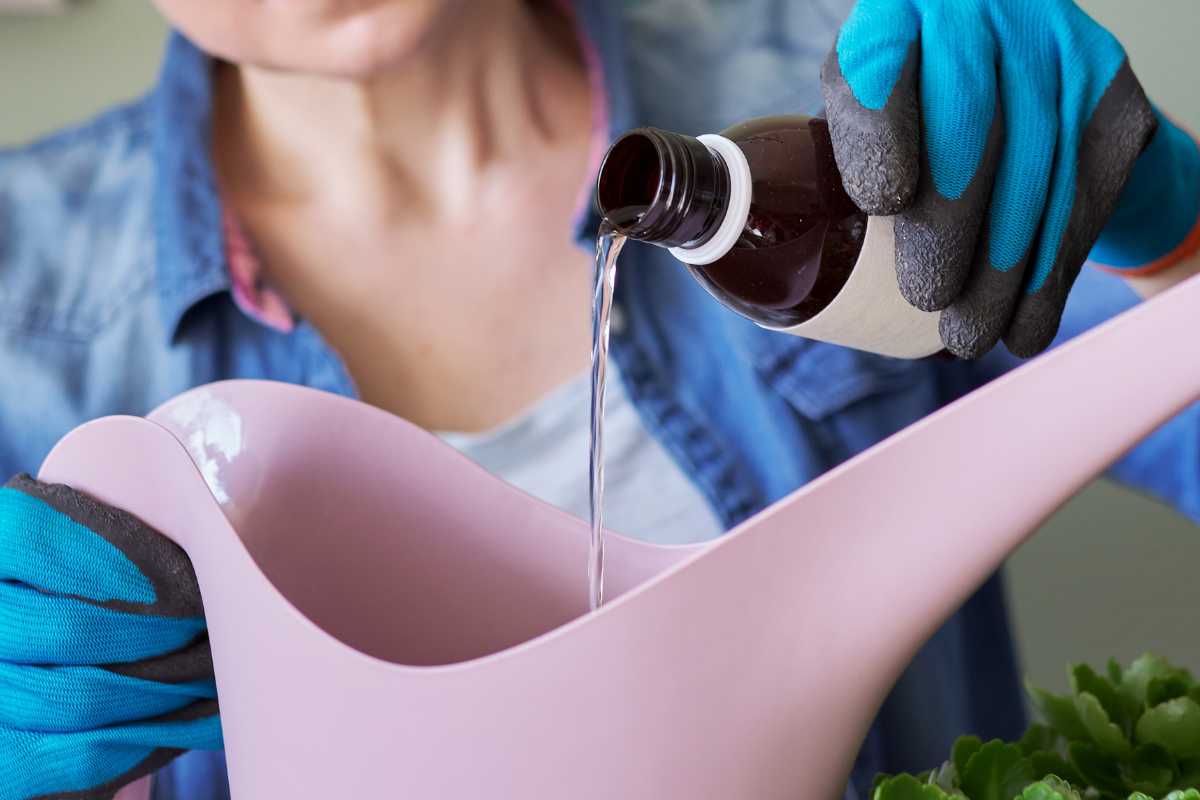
[804, 234]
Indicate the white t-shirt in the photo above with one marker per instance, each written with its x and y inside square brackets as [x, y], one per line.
[545, 453]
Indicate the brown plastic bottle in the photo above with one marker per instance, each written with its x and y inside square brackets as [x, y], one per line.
[759, 216]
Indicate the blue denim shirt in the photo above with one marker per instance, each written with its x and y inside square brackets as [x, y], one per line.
[115, 296]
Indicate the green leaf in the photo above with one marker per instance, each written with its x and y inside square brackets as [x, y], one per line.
[1059, 712]
[906, 787]
[1103, 732]
[1037, 738]
[1175, 725]
[1146, 668]
[1050, 763]
[1049, 789]
[964, 748]
[1187, 794]
[996, 771]
[1098, 769]
[1160, 690]
[1151, 770]
[945, 777]
[1085, 680]
[1115, 674]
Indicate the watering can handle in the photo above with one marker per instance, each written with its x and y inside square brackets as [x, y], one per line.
[922, 519]
[882, 550]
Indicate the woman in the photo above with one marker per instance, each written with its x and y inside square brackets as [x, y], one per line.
[390, 200]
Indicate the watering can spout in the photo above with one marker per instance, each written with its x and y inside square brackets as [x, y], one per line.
[389, 620]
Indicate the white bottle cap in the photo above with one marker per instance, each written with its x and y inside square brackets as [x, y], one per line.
[737, 212]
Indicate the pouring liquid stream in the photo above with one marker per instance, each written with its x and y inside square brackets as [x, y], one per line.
[608, 247]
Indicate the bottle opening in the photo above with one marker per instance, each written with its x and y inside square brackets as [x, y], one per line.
[663, 188]
[630, 180]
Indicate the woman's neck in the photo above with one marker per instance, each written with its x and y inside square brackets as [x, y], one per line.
[482, 89]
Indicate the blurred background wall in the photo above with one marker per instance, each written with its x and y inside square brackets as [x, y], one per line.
[55, 70]
[1112, 574]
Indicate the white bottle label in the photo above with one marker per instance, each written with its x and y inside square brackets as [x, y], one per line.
[870, 313]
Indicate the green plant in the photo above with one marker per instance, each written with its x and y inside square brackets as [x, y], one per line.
[1132, 733]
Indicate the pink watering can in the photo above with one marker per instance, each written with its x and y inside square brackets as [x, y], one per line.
[388, 620]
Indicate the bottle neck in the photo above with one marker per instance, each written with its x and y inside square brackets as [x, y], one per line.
[663, 188]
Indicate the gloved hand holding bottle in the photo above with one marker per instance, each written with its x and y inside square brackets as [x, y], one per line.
[104, 654]
[1011, 139]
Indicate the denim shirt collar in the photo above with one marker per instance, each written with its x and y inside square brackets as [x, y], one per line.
[189, 244]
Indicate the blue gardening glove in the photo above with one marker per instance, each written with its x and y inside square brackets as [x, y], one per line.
[105, 670]
[1001, 133]
[1157, 221]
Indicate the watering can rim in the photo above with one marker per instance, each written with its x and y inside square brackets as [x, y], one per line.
[691, 551]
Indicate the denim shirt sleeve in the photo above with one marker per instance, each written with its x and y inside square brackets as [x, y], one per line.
[76, 270]
[1166, 465]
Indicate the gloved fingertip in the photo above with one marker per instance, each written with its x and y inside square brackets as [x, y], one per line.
[877, 151]
[965, 336]
[19, 480]
[1033, 328]
[924, 288]
[934, 253]
[974, 324]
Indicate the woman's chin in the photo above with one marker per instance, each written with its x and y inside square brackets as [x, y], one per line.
[355, 39]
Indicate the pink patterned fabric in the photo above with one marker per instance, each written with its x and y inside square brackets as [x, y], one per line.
[250, 290]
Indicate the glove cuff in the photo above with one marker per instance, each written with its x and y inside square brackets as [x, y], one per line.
[1157, 221]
